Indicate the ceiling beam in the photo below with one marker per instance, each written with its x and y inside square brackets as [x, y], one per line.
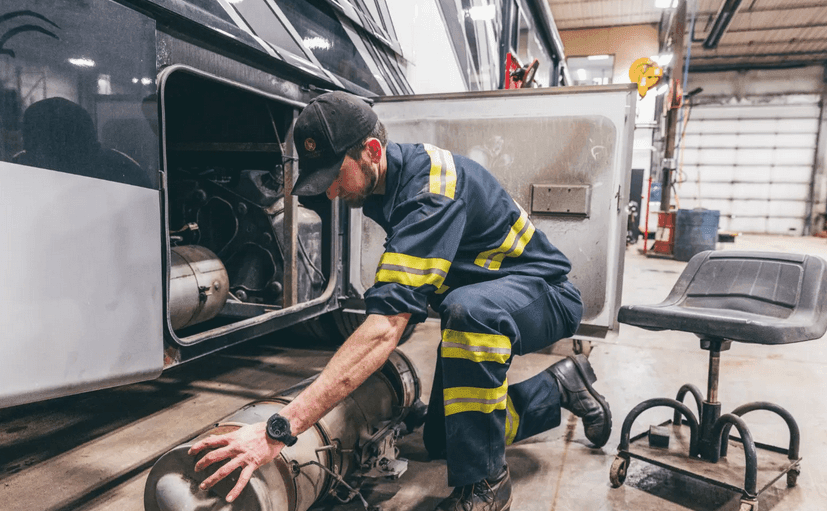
[773, 8]
[779, 42]
[781, 64]
[605, 23]
[760, 55]
[552, 3]
[728, 10]
[784, 27]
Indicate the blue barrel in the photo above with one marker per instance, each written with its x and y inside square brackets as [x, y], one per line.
[696, 230]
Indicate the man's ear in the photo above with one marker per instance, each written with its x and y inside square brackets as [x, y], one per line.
[374, 150]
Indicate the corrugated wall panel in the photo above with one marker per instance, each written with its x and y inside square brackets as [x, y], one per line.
[748, 140]
[722, 126]
[751, 161]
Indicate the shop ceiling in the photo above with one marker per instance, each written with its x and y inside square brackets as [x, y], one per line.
[759, 33]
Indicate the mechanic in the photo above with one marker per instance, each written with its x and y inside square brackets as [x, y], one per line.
[457, 241]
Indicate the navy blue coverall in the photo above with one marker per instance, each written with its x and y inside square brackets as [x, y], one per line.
[457, 241]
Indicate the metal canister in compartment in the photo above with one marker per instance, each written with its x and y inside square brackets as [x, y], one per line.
[198, 285]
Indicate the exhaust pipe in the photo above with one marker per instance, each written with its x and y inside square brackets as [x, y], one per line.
[357, 437]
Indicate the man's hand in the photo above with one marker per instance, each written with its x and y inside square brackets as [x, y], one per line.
[247, 448]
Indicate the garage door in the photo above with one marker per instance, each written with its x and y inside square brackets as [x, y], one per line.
[752, 161]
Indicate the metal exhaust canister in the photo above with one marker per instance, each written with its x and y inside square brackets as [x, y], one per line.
[357, 437]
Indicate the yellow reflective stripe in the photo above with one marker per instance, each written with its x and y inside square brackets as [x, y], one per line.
[477, 347]
[513, 246]
[512, 421]
[443, 178]
[417, 263]
[412, 271]
[473, 399]
[442, 289]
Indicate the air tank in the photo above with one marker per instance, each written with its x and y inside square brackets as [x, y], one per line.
[198, 285]
[357, 437]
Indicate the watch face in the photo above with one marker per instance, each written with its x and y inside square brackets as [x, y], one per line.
[278, 427]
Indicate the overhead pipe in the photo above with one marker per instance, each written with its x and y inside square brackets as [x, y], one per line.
[355, 438]
[722, 21]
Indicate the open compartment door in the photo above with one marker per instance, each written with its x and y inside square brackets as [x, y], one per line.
[563, 154]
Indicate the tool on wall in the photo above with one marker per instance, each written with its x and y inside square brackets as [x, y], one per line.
[518, 76]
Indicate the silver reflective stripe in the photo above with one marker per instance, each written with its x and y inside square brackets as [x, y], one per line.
[511, 249]
[474, 400]
[415, 271]
[482, 349]
[439, 154]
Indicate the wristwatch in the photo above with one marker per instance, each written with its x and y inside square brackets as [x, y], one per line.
[278, 428]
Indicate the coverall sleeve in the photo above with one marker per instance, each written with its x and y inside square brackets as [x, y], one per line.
[423, 240]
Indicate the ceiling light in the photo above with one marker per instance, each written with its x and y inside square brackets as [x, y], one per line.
[482, 12]
[135, 80]
[598, 57]
[82, 62]
[581, 74]
[666, 4]
[146, 81]
[722, 21]
[316, 43]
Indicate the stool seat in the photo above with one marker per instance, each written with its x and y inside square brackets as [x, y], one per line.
[755, 297]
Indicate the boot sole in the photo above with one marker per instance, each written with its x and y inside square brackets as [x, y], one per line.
[586, 371]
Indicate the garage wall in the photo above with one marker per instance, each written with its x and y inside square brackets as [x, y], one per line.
[627, 44]
[749, 149]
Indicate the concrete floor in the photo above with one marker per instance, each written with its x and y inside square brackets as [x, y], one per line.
[558, 471]
[93, 452]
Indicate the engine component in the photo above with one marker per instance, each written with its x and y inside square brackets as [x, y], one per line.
[198, 285]
[356, 438]
[240, 215]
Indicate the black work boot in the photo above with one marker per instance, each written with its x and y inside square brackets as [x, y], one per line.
[574, 377]
[492, 494]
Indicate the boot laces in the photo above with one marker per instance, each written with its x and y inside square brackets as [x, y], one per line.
[482, 490]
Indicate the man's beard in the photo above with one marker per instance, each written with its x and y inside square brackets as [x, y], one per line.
[357, 199]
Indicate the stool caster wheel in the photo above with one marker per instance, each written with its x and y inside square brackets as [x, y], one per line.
[748, 505]
[792, 477]
[617, 474]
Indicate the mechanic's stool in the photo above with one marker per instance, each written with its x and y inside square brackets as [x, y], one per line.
[756, 297]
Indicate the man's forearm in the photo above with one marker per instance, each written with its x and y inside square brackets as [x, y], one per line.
[360, 356]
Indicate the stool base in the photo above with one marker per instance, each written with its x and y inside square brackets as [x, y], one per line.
[737, 464]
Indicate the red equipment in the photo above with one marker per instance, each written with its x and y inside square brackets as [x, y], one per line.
[518, 76]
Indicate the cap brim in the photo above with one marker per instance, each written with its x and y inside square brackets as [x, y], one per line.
[316, 180]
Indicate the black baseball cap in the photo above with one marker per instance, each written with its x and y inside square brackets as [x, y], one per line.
[327, 127]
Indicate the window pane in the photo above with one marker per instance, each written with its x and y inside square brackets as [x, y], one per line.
[322, 33]
[267, 26]
[593, 70]
[78, 93]
[456, 33]
[212, 7]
